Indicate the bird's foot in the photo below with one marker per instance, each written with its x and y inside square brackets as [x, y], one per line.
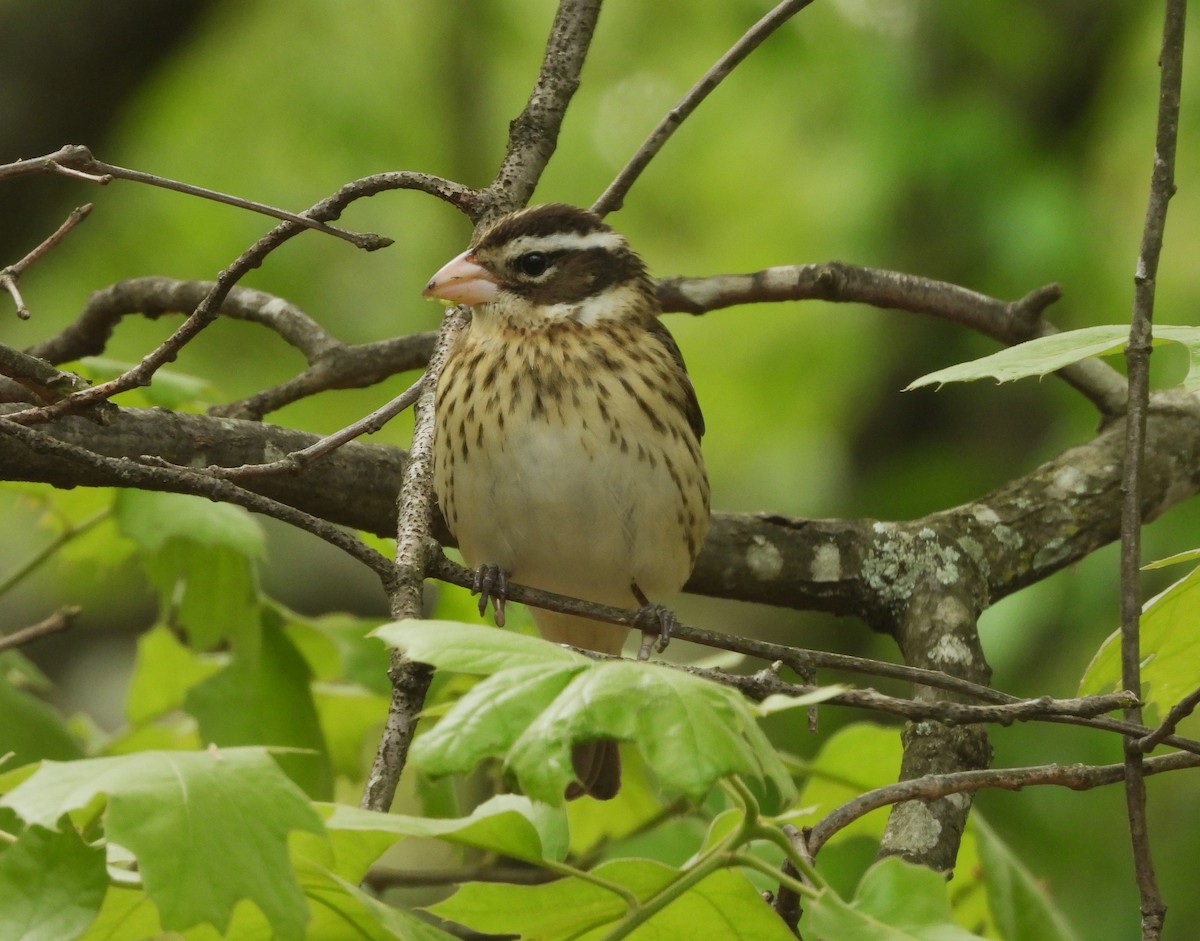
[491, 584]
[655, 621]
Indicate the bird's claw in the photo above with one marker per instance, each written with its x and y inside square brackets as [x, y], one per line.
[491, 584]
[656, 622]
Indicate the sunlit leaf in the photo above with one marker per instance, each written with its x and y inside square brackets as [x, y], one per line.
[1044, 355]
[854, 759]
[541, 699]
[264, 697]
[1170, 648]
[208, 828]
[507, 824]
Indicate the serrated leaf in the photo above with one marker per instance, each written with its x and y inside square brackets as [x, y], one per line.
[52, 885]
[1021, 907]
[896, 901]
[472, 648]
[722, 907]
[208, 828]
[508, 824]
[489, 718]
[542, 698]
[1046, 354]
[692, 732]
[1170, 648]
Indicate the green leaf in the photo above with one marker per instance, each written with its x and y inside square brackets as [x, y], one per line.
[30, 730]
[1044, 355]
[723, 907]
[473, 648]
[51, 886]
[264, 697]
[692, 732]
[208, 828]
[896, 901]
[508, 824]
[1021, 907]
[163, 674]
[200, 556]
[1190, 555]
[542, 698]
[339, 906]
[1170, 648]
[854, 759]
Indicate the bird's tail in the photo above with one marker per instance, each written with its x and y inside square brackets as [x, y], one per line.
[597, 764]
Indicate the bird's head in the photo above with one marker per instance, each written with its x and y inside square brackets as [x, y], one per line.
[550, 262]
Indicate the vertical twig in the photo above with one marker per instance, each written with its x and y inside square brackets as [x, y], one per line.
[410, 680]
[532, 139]
[1137, 354]
[533, 135]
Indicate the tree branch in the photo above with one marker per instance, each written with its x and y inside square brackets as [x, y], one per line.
[1078, 777]
[1137, 354]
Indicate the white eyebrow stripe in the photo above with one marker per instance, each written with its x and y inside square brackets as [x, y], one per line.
[564, 241]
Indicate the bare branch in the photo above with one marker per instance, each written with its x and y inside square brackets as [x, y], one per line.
[60, 620]
[410, 680]
[328, 208]
[614, 197]
[533, 135]
[298, 460]
[12, 273]
[1078, 777]
[1007, 321]
[1180, 711]
[332, 364]
[1137, 354]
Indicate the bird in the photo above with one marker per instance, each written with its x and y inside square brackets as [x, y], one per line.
[566, 451]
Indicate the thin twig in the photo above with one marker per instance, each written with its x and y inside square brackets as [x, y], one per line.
[60, 620]
[1180, 711]
[10, 274]
[1162, 187]
[614, 197]
[207, 311]
[298, 460]
[1078, 777]
[77, 162]
[410, 680]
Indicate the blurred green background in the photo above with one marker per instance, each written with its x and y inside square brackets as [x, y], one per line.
[999, 145]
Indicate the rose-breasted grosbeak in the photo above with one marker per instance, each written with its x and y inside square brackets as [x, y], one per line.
[567, 451]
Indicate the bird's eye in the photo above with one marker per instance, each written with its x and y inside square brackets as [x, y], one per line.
[533, 264]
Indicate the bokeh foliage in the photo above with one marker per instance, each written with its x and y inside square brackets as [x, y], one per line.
[998, 145]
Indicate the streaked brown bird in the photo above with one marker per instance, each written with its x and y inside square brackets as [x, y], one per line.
[567, 451]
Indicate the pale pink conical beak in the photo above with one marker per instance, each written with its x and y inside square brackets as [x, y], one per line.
[462, 281]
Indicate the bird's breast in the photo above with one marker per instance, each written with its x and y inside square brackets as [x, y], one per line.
[565, 457]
